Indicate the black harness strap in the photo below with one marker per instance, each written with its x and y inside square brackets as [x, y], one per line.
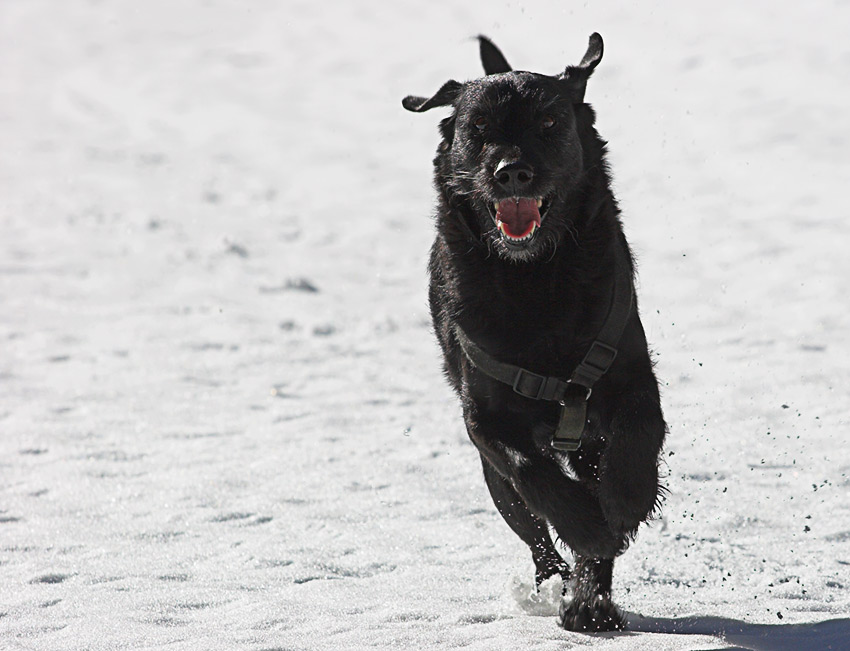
[524, 382]
[467, 229]
[572, 394]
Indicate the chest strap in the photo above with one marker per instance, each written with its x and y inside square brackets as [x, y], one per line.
[572, 394]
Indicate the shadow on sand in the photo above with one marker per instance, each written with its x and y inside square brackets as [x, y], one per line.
[833, 634]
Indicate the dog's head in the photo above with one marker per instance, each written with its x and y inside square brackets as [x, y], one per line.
[514, 148]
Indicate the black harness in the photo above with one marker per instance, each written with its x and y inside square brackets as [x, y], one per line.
[574, 393]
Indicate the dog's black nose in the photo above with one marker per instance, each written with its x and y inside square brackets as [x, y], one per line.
[513, 176]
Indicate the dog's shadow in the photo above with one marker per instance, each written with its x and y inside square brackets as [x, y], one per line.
[832, 634]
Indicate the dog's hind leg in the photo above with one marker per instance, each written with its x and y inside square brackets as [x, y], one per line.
[531, 529]
[591, 608]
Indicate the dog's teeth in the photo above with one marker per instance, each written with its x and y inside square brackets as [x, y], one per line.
[540, 203]
[518, 240]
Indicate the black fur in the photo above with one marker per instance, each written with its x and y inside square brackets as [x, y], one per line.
[539, 304]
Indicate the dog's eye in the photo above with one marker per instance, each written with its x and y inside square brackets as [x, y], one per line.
[480, 123]
[547, 122]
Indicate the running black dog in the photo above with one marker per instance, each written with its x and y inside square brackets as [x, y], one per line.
[533, 304]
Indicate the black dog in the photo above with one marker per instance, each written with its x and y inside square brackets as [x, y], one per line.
[532, 301]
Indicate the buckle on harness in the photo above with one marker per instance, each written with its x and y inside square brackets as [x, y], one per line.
[572, 419]
[599, 358]
[522, 377]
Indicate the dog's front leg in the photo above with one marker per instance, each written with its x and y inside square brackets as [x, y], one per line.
[628, 486]
[531, 529]
[535, 475]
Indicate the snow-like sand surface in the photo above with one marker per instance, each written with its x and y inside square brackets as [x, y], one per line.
[222, 419]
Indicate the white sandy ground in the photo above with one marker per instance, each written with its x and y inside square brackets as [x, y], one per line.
[222, 419]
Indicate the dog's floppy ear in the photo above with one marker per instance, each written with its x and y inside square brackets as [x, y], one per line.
[444, 97]
[575, 77]
[491, 57]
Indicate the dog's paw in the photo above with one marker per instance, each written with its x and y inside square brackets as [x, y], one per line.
[547, 569]
[599, 615]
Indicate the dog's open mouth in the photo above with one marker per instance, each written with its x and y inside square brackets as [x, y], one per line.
[518, 218]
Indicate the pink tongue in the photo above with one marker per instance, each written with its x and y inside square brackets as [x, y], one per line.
[518, 217]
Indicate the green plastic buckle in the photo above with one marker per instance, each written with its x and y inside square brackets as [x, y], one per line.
[567, 437]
